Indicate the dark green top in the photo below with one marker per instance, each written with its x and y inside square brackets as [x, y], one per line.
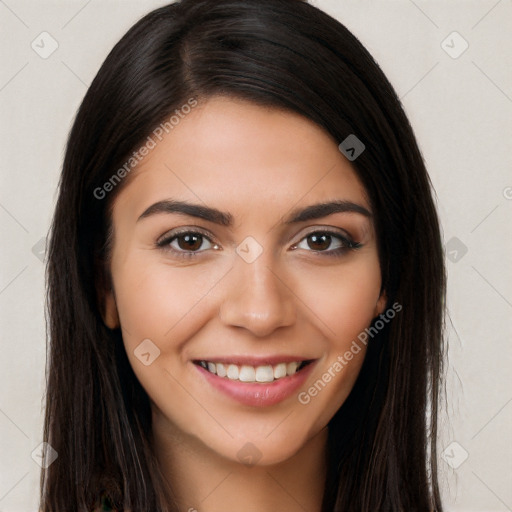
[106, 506]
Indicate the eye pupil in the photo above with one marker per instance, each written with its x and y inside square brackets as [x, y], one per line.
[322, 242]
[192, 242]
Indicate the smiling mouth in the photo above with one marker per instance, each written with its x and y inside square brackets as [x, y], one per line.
[247, 373]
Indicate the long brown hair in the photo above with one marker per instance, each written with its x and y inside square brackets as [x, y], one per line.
[280, 53]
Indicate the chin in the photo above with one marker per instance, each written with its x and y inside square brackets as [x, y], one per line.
[263, 449]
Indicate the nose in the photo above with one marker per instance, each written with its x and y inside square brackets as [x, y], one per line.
[257, 298]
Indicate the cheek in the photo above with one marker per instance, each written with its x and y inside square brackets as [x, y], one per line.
[160, 302]
[344, 303]
[152, 298]
[343, 299]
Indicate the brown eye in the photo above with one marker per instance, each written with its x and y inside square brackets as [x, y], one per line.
[186, 243]
[327, 243]
[319, 242]
[189, 242]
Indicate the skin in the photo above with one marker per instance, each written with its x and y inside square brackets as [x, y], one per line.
[301, 302]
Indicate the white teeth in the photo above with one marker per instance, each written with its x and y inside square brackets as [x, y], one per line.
[221, 371]
[246, 373]
[233, 372]
[279, 370]
[264, 374]
[291, 368]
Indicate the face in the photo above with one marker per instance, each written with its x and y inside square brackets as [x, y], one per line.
[234, 294]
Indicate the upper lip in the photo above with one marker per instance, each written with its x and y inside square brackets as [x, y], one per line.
[254, 361]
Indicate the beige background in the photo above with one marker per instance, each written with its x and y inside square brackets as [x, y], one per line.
[461, 110]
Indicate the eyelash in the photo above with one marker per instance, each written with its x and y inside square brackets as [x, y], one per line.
[348, 244]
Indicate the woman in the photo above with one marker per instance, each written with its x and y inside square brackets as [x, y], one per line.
[246, 278]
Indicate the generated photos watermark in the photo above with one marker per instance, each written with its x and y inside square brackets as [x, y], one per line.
[304, 397]
[151, 142]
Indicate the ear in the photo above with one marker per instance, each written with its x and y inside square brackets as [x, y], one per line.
[109, 310]
[381, 304]
[106, 297]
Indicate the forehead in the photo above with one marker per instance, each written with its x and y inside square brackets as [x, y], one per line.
[236, 154]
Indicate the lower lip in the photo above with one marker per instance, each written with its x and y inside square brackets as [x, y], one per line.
[258, 394]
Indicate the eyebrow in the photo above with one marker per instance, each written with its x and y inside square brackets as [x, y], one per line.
[312, 212]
